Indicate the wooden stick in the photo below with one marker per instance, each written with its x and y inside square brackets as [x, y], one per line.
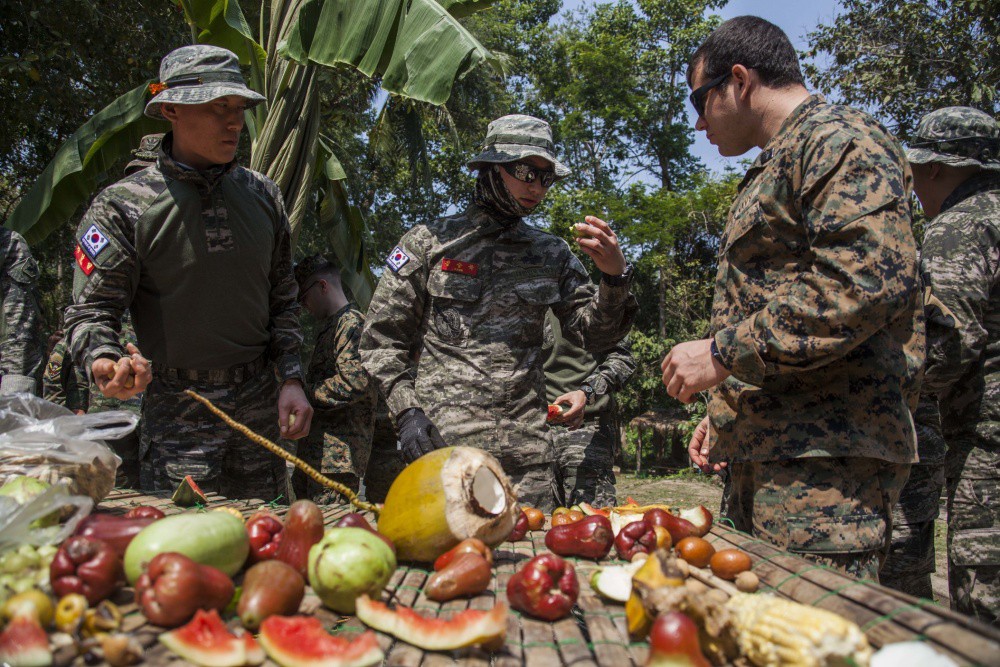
[280, 451]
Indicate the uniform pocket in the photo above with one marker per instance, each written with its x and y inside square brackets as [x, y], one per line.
[456, 287]
[454, 299]
[817, 534]
[24, 271]
[539, 291]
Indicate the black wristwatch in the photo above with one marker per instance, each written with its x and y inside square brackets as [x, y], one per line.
[619, 281]
[590, 393]
[718, 355]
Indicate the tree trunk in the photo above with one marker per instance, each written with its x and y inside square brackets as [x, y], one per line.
[661, 305]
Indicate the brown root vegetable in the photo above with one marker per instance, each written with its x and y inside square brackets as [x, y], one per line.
[696, 551]
[728, 563]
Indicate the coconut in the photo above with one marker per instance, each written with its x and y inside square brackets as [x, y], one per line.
[444, 497]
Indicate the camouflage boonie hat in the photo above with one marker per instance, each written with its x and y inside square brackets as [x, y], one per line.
[198, 74]
[957, 137]
[145, 155]
[517, 136]
[309, 266]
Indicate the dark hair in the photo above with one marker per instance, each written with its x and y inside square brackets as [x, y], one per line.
[754, 43]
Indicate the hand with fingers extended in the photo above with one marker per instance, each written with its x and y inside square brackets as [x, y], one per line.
[690, 368]
[417, 434]
[598, 240]
[124, 378]
[571, 417]
[700, 446]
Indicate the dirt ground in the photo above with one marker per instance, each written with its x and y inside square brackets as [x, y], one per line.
[692, 488]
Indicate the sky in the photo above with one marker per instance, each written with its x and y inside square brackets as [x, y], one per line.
[795, 17]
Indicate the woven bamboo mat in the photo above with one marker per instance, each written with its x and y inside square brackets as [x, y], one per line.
[595, 634]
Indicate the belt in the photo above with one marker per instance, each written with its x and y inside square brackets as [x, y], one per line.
[237, 374]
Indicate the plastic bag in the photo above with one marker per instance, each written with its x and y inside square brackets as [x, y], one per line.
[48, 442]
[16, 520]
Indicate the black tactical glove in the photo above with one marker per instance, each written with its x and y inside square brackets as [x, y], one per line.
[417, 435]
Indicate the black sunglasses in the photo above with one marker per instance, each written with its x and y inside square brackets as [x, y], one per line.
[697, 96]
[525, 173]
[302, 294]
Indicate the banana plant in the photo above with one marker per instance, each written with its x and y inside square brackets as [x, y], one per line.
[416, 48]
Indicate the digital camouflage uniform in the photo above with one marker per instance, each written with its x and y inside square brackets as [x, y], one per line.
[586, 456]
[474, 288]
[22, 345]
[960, 264]
[817, 314]
[910, 563]
[202, 260]
[64, 383]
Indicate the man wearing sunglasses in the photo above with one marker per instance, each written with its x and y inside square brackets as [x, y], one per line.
[817, 334]
[470, 291]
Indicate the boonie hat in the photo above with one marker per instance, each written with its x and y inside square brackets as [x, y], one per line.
[145, 155]
[957, 137]
[517, 136]
[198, 74]
[308, 266]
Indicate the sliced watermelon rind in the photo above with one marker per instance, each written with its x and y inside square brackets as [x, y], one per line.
[466, 628]
[306, 632]
[188, 493]
[191, 642]
[24, 642]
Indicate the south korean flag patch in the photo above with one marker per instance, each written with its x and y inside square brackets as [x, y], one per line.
[94, 241]
[397, 259]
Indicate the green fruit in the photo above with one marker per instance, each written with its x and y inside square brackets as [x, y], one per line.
[349, 562]
[210, 538]
[23, 489]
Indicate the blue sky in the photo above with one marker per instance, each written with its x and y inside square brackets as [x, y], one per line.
[795, 17]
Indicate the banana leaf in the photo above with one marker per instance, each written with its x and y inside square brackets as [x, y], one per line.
[417, 47]
[345, 227]
[82, 164]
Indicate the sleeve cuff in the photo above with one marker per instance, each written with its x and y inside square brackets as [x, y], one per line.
[18, 384]
[289, 367]
[403, 397]
[109, 351]
[612, 295]
[740, 354]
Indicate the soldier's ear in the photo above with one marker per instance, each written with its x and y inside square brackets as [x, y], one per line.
[169, 111]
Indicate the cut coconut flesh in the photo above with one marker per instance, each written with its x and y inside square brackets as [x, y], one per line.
[487, 491]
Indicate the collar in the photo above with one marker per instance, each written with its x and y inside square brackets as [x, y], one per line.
[206, 179]
[506, 227]
[973, 185]
[331, 320]
[776, 143]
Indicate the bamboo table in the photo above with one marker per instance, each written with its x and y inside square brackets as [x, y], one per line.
[595, 634]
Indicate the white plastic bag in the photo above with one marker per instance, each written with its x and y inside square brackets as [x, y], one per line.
[16, 520]
[48, 442]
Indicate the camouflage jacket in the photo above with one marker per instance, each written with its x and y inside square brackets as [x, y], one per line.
[341, 394]
[567, 368]
[960, 263]
[22, 345]
[470, 293]
[101, 403]
[202, 259]
[817, 309]
[63, 382]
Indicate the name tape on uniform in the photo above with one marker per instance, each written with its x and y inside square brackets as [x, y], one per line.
[397, 259]
[94, 241]
[458, 266]
[83, 261]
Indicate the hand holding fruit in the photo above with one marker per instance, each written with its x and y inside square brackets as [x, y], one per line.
[572, 416]
[124, 378]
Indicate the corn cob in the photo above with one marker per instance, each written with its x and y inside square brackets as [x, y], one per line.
[776, 631]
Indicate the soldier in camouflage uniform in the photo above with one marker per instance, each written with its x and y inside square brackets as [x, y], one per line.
[817, 337]
[343, 397]
[22, 344]
[472, 289]
[955, 157]
[587, 435]
[199, 250]
[64, 383]
[910, 563]
[385, 451]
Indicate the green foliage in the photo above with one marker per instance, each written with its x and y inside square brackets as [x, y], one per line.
[904, 59]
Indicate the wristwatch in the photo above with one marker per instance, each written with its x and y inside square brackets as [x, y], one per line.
[619, 281]
[589, 392]
[718, 355]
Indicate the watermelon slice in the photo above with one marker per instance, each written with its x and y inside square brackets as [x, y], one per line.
[554, 410]
[590, 510]
[301, 641]
[24, 643]
[466, 628]
[206, 641]
[188, 494]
